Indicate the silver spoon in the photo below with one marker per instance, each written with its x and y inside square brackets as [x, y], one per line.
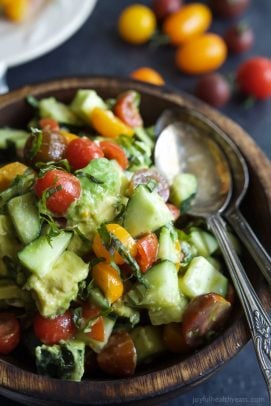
[193, 147]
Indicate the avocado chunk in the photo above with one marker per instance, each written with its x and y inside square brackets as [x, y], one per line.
[146, 212]
[84, 102]
[51, 108]
[148, 342]
[54, 291]
[40, 255]
[63, 361]
[9, 246]
[183, 190]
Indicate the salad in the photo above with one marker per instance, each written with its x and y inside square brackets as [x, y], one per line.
[101, 270]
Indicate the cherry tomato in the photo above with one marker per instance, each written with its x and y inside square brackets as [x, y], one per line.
[51, 146]
[147, 249]
[230, 296]
[89, 312]
[239, 38]
[114, 151]
[148, 75]
[51, 331]
[126, 109]
[108, 280]
[118, 358]
[205, 314]
[10, 332]
[213, 89]
[174, 339]
[203, 54]
[137, 24]
[81, 151]
[49, 124]
[174, 211]
[108, 125]
[163, 8]
[60, 200]
[187, 23]
[254, 77]
[143, 176]
[229, 8]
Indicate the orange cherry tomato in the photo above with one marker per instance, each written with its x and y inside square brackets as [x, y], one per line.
[137, 24]
[147, 249]
[108, 280]
[114, 151]
[148, 75]
[16, 10]
[97, 329]
[202, 54]
[108, 125]
[187, 23]
[68, 136]
[9, 172]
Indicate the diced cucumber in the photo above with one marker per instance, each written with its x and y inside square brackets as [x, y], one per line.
[9, 246]
[216, 263]
[183, 190]
[146, 212]
[18, 137]
[96, 297]
[201, 277]
[95, 345]
[122, 310]
[40, 255]
[84, 102]
[51, 108]
[169, 314]
[204, 242]
[169, 245]
[24, 214]
[148, 342]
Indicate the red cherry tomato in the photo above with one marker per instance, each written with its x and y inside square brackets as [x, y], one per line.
[143, 176]
[10, 332]
[51, 331]
[81, 151]
[97, 329]
[174, 211]
[126, 109]
[114, 151]
[49, 124]
[60, 200]
[239, 38]
[254, 77]
[147, 249]
[163, 8]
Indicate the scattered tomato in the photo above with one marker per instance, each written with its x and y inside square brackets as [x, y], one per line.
[254, 77]
[239, 38]
[144, 176]
[203, 54]
[10, 332]
[51, 331]
[174, 339]
[126, 109]
[229, 8]
[174, 211]
[148, 75]
[163, 8]
[147, 250]
[213, 89]
[137, 24]
[81, 151]
[114, 151]
[187, 23]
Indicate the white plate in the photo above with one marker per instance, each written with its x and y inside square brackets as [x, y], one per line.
[53, 23]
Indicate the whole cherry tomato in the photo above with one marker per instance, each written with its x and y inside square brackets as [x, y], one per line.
[187, 23]
[114, 151]
[126, 108]
[202, 54]
[254, 77]
[229, 8]
[81, 151]
[148, 75]
[147, 249]
[214, 89]
[137, 24]
[239, 38]
[163, 8]
[51, 331]
[10, 332]
[65, 188]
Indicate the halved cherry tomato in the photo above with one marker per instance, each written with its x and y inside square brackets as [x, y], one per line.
[52, 147]
[174, 339]
[143, 176]
[108, 125]
[126, 109]
[108, 280]
[147, 249]
[10, 332]
[97, 329]
[254, 77]
[49, 124]
[114, 151]
[81, 151]
[51, 331]
[59, 200]
[118, 358]
[174, 211]
[148, 75]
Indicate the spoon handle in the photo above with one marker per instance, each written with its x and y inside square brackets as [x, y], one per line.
[246, 234]
[258, 320]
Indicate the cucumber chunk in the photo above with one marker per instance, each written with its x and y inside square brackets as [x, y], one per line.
[169, 314]
[201, 277]
[183, 190]
[145, 212]
[169, 245]
[51, 108]
[95, 345]
[40, 255]
[84, 102]
[148, 342]
[18, 137]
[24, 214]
[204, 242]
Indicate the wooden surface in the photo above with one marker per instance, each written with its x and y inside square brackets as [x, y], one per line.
[170, 376]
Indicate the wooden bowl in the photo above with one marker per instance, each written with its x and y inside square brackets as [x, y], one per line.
[171, 376]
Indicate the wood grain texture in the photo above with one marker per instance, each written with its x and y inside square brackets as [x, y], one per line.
[173, 375]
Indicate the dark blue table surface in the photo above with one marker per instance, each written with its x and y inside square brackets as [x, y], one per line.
[97, 49]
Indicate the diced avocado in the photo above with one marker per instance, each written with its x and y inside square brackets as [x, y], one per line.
[204, 242]
[40, 255]
[24, 214]
[122, 310]
[51, 108]
[9, 246]
[146, 212]
[18, 137]
[148, 342]
[54, 291]
[97, 346]
[84, 102]
[201, 277]
[63, 361]
[169, 245]
[12, 295]
[183, 190]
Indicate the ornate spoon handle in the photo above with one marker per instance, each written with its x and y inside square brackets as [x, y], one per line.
[258, 320]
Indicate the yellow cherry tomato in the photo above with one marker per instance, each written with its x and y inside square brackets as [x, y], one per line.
[108, 280]
[16, 10]
[148, 75]
[202, 54]
[189, 22]
[9, 172]
[108, 125]
[68, 136]
[137, 24]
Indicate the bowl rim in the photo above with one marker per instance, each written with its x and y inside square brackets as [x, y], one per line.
[178, 376]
